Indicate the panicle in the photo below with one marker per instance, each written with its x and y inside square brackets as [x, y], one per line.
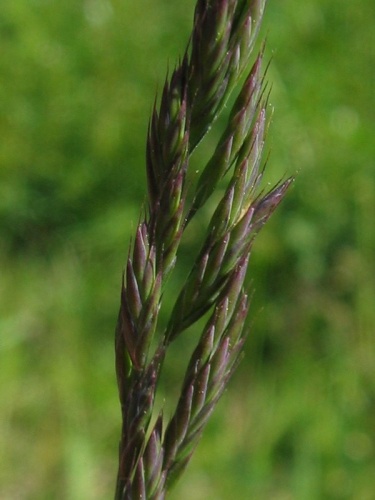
[154, 451]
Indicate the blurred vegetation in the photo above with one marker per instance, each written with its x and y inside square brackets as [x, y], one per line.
[78, 79]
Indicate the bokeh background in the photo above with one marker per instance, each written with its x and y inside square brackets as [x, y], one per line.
[77, 82]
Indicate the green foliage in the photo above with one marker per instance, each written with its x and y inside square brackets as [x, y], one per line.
[78, 80]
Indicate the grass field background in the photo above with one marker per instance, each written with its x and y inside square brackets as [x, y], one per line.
[78, 79]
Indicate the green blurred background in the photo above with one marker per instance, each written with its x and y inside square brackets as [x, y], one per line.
[78, 79]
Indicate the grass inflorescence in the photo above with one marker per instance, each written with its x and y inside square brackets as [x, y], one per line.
[155, 451]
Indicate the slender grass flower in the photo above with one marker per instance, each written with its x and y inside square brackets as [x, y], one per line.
[154, 451]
